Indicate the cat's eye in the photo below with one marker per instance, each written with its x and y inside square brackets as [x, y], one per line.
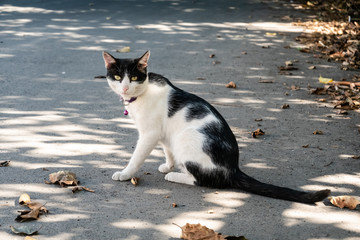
[134, 78]
[117, 77]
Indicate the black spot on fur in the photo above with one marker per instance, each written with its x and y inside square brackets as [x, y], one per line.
[216, 178]
[221, 144]
[158, 79]
[197, 108]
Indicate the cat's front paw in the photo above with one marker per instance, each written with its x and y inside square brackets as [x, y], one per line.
[163, 168]
[120, 176]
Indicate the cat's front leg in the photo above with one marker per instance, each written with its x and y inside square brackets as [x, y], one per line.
[145, 145]
[168, 166]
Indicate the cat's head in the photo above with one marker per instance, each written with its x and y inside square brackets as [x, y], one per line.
[127, 77]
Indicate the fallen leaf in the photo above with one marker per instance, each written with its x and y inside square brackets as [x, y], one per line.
[26, 215]
[285, 106]
[258, 119]
[64, 178]
[287, 68]
[199, 232]
[35, 205]
[318, 132]
[211, 55]
[230, 85]
[123, 50]
[289, 63]
[257, 132]
[174, 205]
[135, 181]
[270, 34]
[312, 67]
[5, 163]
[325, 80]
[24, 198]
[319, 91]
[25, 230]
[306, 146]
[79, 188]
[211, 211]
[344, 201]
[295, 88]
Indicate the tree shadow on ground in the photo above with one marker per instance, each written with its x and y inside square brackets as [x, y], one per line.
[55, 116]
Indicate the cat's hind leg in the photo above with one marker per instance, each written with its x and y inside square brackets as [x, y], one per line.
[168, 166]
[178, 177]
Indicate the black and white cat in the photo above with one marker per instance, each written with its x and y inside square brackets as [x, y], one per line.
[195, 138]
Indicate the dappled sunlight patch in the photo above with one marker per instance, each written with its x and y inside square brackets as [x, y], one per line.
[317, 187]
[275, 110]
[133, 223]
[259, 165]
[340, 178]
[11, 9]
[226, 199]
[63, 217]
[300, 213]
[33, 165]
[15, 190]
[157, 191]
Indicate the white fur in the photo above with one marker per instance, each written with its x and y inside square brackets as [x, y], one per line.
[179, 138]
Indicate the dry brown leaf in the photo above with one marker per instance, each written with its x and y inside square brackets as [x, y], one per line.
[26, 215]
[135, 181]
[35, 205]
[230, 85]
[25, 230]
[266, 81]
[79, 188]
[257, 132]
[312, 67]
[318, 132]
[64, 178]
[5, 163]
[199, 232]
[285, 106]
[24, 198]
[174, 205]
[287, 68]
[123, 50]
[344, 201]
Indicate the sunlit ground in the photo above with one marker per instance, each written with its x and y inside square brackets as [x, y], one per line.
[55, 116]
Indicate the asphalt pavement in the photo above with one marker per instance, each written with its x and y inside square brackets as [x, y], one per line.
[55, 115]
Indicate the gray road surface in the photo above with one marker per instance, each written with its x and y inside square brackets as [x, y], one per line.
[55, 116]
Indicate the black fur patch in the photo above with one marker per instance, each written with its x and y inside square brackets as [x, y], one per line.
[197, 108]
[221, 144]
[216, 178]
[158, 79]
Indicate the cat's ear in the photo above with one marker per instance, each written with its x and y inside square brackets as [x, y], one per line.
[108, 59]
[143, 61]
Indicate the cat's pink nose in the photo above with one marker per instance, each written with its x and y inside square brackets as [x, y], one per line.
[125, 89]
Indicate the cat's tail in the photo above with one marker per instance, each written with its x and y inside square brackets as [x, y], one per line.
[249, 184]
